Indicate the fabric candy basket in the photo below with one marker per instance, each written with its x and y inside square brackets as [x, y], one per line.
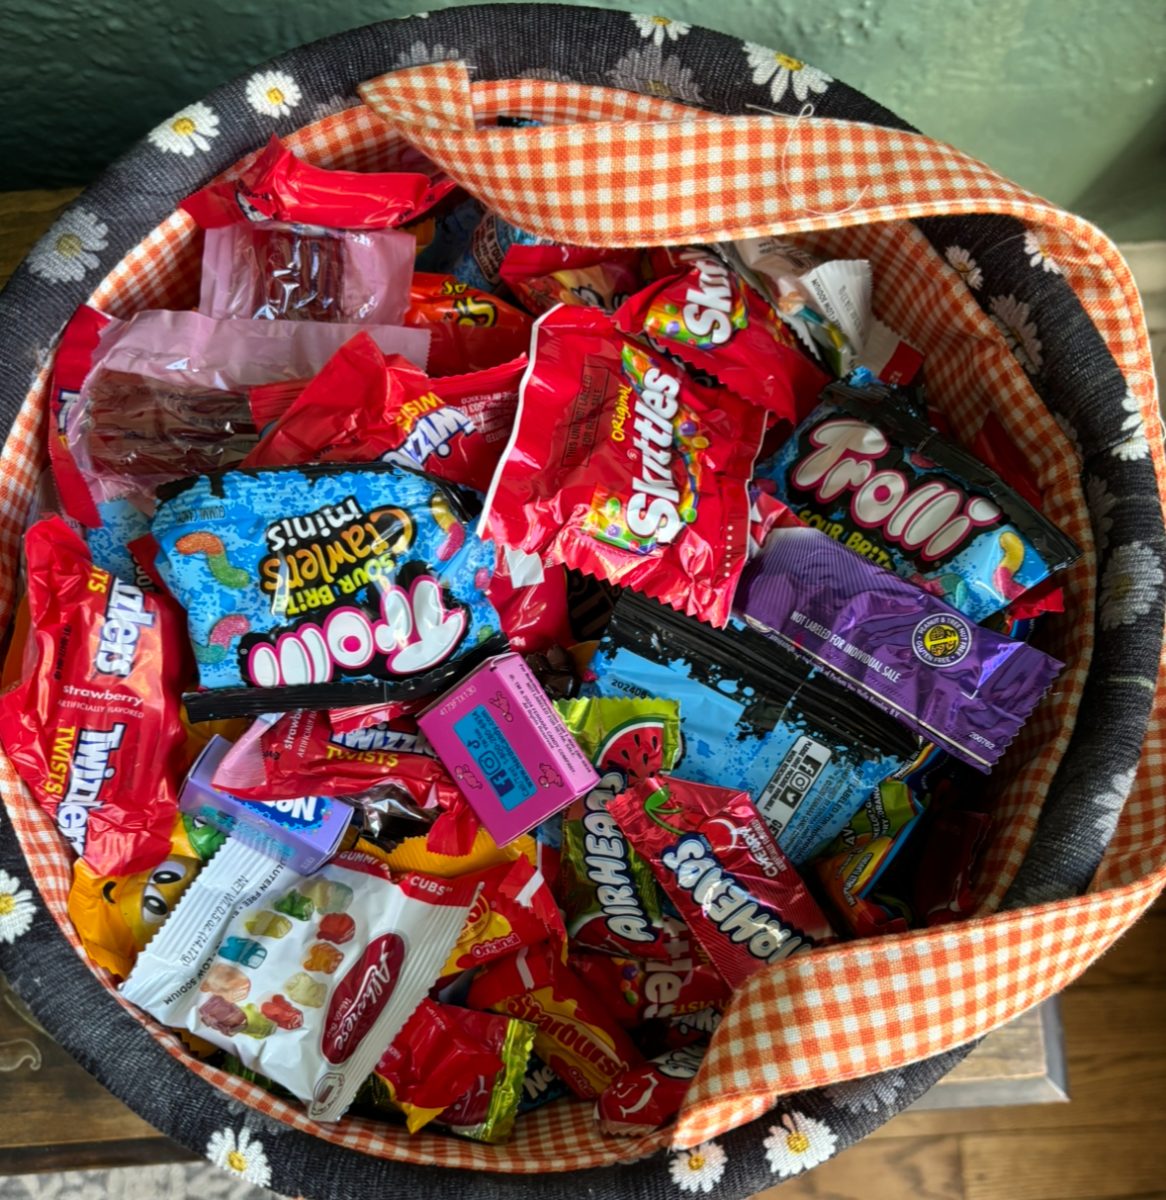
[650, 132]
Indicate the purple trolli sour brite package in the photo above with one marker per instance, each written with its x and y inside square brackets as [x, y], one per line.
[885, 484]
[960, 685]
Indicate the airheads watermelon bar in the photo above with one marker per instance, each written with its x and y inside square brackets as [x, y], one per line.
[752, 718]
[623, 468]
[611, 899]
[719, 864]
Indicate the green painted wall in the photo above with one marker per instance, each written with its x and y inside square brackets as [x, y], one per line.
[1068, 97]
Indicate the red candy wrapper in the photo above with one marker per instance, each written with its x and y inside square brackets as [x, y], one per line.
[365, 407]
[535, 616]
[715, 857]
[278, 186]
[542, 276]
[576, 1034]
[640, 990]
[714, 321]
[432, 1062]
[93, 727]
[515, 908]
[646, 1097]
[472, 330]
[621, 467]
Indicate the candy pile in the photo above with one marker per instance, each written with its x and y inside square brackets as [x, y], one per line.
[458, 661]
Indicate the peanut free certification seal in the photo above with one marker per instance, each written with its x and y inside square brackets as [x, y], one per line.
[942, 640]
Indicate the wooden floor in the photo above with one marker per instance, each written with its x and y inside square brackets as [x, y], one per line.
[1108, 1143]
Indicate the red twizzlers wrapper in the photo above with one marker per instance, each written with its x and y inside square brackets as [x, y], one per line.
[576, 1035]
[623, 468]
[715, 857]
[471, 330]
[73, 361]
[93, 727]
[364, 407]
[646, 1097]
[711, 319]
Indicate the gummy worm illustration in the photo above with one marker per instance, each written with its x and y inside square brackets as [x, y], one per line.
[1003, 578]
[454, 530]
[223, 633]
[216, 558]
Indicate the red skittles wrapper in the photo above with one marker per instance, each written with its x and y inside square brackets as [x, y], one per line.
[93, 727]
[576, 1035]
[711, 319]
[648, 1096]
[621, 467]
[471, 330]
[542, 276]
[715, 857]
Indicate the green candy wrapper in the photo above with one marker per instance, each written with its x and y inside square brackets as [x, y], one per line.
[610, 897]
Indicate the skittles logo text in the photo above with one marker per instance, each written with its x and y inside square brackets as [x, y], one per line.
[730, 907]
[126, 616]
[605, 855]
[79, 767]
[708, 308]
[318, 557]
[653, 510]
[930, 521]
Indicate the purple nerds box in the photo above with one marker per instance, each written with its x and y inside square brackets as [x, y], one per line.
[513, 758]
[958, 684]
[304, 833]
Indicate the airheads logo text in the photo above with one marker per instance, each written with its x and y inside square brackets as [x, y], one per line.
[79, 768]
[360, 997]
[742, 919]
[653, 509]
[126, 615]
[931, 520]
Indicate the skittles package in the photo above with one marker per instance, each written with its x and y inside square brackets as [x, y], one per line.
[719, 864]
[807, 751]
[610, 897]
[323, 585]
[885, 485]
[115, 916]
[709, 318]
[623, 468]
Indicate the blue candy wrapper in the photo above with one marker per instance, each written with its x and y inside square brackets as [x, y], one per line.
[121, 523]
[755, 718]
[323, 586]
[480, 264]
[876, 478]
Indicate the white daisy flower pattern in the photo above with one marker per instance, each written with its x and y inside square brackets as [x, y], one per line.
[783, 73]
[1037, 255]
[867, 1095]
[1100, 501]
[65, 1185]
[70, 247]
[273, 93]
[650, 72]
[188, 130]
[1011, 317]
[699, 1169]
[1070, 433]
[1108, 805]
[659, 28]
[961, 261]
[241, 1154]
[1129, 585]
[419, 54]
[16, 908]
[1135, 445]
[797, 1144]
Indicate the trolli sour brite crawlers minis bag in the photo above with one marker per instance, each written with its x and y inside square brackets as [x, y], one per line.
[886, 485]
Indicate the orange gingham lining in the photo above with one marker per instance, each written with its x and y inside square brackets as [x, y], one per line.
[975, 979]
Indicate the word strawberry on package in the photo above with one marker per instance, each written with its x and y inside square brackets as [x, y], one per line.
[305, 979]
[93, 726]
[323, 585]
[712, 320]
[623, 468]
[291, 241]
[715, 857]
[366, 407]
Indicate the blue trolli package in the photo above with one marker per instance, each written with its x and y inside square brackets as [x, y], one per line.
[324, 586]
[754, 717]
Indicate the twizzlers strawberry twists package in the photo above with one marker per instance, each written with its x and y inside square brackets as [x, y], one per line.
[621, 467]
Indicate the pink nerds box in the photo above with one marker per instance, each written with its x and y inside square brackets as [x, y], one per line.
[513, 758]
